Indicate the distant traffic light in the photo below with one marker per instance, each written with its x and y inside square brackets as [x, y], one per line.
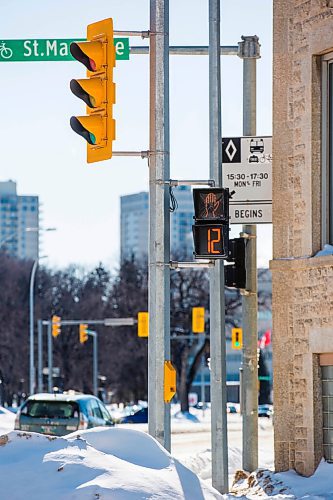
[235, 274]
[211, 228]
[143, 324]
[236, 338]
[97, 91]
[198, 319]
[56, 326]
[83, 330]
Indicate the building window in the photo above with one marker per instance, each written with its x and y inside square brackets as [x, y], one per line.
[327, 149]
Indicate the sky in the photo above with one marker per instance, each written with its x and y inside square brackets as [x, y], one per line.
[46, 158]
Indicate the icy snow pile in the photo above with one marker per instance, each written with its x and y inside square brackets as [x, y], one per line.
[7, 420]
[98, 463]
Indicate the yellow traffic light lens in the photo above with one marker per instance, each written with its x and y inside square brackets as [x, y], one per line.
[79, 129]
[79, 55]
[82, 94]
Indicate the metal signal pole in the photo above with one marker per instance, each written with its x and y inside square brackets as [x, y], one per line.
[159, 223]
[217, 305]
[250, 52]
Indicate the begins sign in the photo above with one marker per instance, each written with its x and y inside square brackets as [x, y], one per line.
[53, 49]
[247, 170]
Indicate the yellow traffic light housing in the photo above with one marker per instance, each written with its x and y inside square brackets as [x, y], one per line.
[236, 338]
[198, 319]
[56, 326]
[83, 330]
[97, 90]
[143, 324]
[169, 381]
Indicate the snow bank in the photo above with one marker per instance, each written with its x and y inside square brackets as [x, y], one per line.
[98, 463]
[7, 420]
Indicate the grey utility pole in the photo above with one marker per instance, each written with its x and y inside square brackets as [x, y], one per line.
[250, 52]
[217, 306]
[40, 355]
[159, 223]
[31, 328]
[49, 356]
[95, 361]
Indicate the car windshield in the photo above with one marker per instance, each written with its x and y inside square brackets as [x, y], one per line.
[51, 409]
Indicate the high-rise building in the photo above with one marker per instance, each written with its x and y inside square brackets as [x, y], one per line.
[134, 216]
[19, 222]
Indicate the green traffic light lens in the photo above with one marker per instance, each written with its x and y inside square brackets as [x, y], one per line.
[79, 129]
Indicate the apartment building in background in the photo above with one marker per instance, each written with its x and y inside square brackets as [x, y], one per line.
[19, 222]
[134, 217]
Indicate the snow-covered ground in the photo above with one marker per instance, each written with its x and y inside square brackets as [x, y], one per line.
[7, 420]
[125, 463]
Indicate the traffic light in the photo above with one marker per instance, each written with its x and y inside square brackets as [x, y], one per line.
[56, 326]
[83, 333]
[235, 274]
[198, 319]
[236, 338]
[211, 227]
[98, 55]
[143, 324]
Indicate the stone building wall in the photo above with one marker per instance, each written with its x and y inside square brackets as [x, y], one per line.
[302, 284]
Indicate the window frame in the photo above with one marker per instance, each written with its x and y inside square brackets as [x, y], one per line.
[327, 149]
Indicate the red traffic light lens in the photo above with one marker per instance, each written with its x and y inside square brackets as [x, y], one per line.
[79, 55]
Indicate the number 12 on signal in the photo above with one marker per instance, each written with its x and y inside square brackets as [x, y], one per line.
[213, 237]
[211, 240]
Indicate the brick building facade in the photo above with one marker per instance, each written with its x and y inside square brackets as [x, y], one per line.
[302, 226]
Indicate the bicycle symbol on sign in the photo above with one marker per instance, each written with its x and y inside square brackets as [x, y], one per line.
[5, 52]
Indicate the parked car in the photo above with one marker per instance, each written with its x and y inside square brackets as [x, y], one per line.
[136, 417]
[60, 414]
[232, 408]
[265, 411]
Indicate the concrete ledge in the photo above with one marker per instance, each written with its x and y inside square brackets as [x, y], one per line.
[299, 263]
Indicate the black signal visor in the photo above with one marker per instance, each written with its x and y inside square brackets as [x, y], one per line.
[79, 129]
[79, 55]
[80, 93]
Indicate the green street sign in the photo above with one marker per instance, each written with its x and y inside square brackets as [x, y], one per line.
[53, 49]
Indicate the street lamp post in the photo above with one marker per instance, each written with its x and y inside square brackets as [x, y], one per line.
[31, 314]
[31, 307]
